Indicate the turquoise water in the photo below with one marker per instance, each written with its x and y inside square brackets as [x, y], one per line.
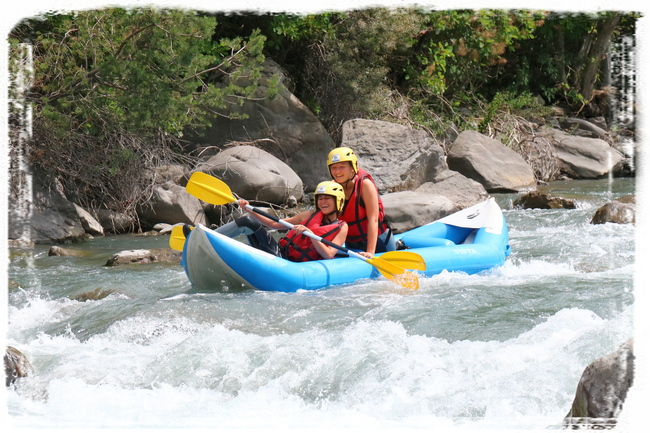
[502, 349]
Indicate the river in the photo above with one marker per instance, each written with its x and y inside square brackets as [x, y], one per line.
[499, 350]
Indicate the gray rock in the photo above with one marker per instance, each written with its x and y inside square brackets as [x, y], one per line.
[619, 211]
[408, 209]
[54, 218]
[114, 222]
[162, 255]
[489, 162]
[16, 365]
[88, 222]
[584, 157]
[254, 174]
[172, 204]
[603, 388]
[539, 200]
[398, 158]
[462, 191]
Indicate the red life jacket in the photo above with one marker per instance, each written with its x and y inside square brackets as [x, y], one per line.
[354, 212]
[299, 248]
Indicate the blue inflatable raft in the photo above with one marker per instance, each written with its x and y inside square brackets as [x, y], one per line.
[470, 241]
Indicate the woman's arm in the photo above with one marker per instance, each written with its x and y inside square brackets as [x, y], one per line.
[370, 198]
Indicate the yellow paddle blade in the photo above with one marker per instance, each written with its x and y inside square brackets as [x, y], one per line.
[177, 238]
[395, 273]
[209, 189]
[406, 259]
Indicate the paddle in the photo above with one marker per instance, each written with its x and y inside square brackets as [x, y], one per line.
[177, 238]
[214, 191]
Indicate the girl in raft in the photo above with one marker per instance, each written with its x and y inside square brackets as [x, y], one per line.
[369, 231]
[294, 246]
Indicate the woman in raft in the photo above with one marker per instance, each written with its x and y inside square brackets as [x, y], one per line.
[368, 229]
[294, 246]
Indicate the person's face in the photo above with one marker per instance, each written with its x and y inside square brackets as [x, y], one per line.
[342, 171]
[326, 204]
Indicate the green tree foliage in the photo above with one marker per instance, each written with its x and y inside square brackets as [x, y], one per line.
[114, 88]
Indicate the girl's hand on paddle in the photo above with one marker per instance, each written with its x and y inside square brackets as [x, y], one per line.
[300, 229]
[365, 254]
[242, 203]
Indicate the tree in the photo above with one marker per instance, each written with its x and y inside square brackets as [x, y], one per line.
[114, 89]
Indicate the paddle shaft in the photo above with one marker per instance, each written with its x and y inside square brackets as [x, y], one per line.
[306, 233]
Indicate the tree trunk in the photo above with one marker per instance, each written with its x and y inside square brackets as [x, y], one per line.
[595, 49]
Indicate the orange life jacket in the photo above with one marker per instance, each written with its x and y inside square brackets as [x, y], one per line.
[354, 212]
[299, 248]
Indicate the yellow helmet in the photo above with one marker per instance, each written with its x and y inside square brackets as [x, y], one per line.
[341, 154]
[329, 187]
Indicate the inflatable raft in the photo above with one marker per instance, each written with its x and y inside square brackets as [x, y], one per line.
[470, 241]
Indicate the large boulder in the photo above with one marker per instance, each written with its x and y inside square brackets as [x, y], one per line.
[172, 204]
[281, 125]
[254, 174]
[487, 161]
[462, 191]
[398, 158]
[54, 218]
[602, 389]
[584, 157]
[408, 209]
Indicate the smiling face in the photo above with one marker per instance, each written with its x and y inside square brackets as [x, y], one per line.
[342, 171]
[326, 203]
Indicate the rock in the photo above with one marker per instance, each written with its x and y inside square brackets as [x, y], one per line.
[398, 158]
[282, 126]
[619, 211]
[16, 365]
[168, 173]
[21, 243]
[254, 174]
[163, 228]
[540, 200]
[95, 295]
[490, 163]
[114, 222]
[603, 388]
[163, 255]
[88, 222]
[584, 157]
[590, 129]
[54, 219]
[408, 209]
[171, 204]
[65, 252]
[462, 191]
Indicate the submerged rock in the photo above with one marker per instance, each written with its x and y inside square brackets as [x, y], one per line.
[16, 365]
[539, 200]
[619, 211]
[162, 255]
[95, 295]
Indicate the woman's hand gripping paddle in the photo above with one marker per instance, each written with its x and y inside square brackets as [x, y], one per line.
[214, 191]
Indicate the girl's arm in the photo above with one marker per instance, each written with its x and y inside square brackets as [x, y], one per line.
[370, 198]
